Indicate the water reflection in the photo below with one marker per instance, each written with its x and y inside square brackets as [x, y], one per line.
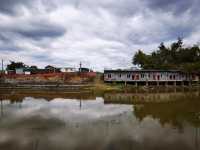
[110, 121]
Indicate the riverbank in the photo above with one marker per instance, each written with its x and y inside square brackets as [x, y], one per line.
[95, 86]
[53, 87]
[136, 96]
[100, 85]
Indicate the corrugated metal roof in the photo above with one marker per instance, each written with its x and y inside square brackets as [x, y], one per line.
[143, 70]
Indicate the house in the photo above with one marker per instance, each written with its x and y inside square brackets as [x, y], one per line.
[69, 69]
[149, 76]
[85, 70]
[21, 71]
[51, 69]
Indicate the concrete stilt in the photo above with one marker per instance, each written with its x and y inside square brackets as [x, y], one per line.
[175, 90]
[190, 83]
[136, 84]
[174, 83]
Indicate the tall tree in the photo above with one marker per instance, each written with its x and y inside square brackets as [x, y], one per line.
[13, 65]
[174, 57]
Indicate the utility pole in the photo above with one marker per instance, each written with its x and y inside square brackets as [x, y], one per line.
[2, 69]
[80, 67]
[80, 104]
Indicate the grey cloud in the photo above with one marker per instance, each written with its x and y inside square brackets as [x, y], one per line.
[11, 6]
[35, 30]
[42, 31]
[6, 44]
[3, 38]
[119, 27]
[122, 8]
[175, 6]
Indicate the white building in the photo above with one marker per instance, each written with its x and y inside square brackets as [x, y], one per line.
[148, 76]
[69, 69]
[22, 71]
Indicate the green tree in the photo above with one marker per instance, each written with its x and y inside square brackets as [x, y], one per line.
[176, 56]
[13, 65]
[140, 58]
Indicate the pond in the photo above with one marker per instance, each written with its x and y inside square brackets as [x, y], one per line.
[108, 121]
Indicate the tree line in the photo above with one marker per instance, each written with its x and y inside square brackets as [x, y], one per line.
[176, 56]
[13, 65]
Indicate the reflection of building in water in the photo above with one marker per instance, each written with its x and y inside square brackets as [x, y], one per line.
[135, 98]
[174, 113]
[18, 96]
[104, 124]
[197, 138]
[1, 108]
[169, 108]
[186, 109]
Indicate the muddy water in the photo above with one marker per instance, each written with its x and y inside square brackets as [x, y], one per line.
[111, 121]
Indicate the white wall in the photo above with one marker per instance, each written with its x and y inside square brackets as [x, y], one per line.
[152, 76]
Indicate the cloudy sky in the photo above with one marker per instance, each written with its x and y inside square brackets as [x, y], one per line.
[100, 33]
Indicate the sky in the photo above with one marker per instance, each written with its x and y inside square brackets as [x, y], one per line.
[99, 33]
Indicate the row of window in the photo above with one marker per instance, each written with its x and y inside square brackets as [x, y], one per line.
[136, 77]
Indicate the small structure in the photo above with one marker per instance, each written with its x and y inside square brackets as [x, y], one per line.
[69, 69]
[51, 69]
[150, 76]
[85, 70]
[21, 71]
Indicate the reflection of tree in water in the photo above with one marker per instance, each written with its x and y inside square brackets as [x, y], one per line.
[141, 98]
[184, 109]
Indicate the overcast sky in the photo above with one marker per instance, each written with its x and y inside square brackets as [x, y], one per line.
[100, 33]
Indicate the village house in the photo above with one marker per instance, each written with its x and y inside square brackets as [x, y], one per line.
[31, 70]
[85, 70]
[51, 69]
[150, 76]
[69, 69]
[21, 71]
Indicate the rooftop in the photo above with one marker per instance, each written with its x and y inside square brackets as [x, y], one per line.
[140, 70]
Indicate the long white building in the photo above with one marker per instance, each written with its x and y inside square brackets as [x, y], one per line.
[148, 76]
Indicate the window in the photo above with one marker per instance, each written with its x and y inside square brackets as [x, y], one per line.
[137, 77]
[158, 77]
[154, 77]
[120, 75]
[109, 75]
[142, 75]
[128, 75]
[133, 77]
